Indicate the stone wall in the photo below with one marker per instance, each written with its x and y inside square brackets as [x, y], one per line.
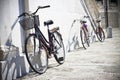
[93, 8]
[12, 64]
[113, 12]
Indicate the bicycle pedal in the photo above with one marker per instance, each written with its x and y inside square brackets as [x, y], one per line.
[61, 59]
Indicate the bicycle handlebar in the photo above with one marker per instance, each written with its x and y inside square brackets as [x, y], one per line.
[40, 7]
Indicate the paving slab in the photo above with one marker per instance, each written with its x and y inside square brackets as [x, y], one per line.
[101, 61]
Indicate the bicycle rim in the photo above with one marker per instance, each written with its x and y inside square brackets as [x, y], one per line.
[84, 40]
[100, 34]
[36, 54]
[59, 51]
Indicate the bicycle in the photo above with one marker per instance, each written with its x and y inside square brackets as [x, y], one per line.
[84, 34]
[99, 31]
[37, 48]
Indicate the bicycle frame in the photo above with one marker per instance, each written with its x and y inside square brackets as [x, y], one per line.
[98, 25]
[37, 48]
[84, 27]
[42, 38]
[48, 44]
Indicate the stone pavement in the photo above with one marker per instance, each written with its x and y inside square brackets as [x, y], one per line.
[101, 61]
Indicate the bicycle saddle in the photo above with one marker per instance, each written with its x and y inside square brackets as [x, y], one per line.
[49, 22]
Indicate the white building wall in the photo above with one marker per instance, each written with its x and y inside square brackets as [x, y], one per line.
[9, 10]
[12, 65]
[62, 12]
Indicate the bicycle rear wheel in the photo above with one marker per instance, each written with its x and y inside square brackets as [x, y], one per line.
[58, 46]
[36, 54]
[100, 34]
[85, 41]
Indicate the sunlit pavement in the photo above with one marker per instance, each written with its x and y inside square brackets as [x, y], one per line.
[101, 61]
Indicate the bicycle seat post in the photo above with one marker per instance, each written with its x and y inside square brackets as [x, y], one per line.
[47, 23]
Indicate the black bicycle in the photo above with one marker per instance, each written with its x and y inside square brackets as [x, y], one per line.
[37, 48]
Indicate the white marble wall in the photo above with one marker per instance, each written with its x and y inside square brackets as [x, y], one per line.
[9, 10]
[62, 12]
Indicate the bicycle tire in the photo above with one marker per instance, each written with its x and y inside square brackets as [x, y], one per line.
[100, 34]
[38, 59]
[58, 46]
[84, 40]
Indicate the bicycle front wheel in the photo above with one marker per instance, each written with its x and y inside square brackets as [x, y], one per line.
[100, 34]
[36, 54]
[84, 39]
[58, 47]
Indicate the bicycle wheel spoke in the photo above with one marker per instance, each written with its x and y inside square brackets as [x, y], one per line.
[100, 34]
[59, 51]
[84, 39]
[36, 54]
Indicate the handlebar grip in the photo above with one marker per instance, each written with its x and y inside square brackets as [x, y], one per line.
[40, 7]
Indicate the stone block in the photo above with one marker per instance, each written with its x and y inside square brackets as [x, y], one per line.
[109, 32]
[4, 50]
[3, 71]
[1, 54]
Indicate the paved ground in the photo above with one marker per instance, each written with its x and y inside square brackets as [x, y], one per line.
[101, 61]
